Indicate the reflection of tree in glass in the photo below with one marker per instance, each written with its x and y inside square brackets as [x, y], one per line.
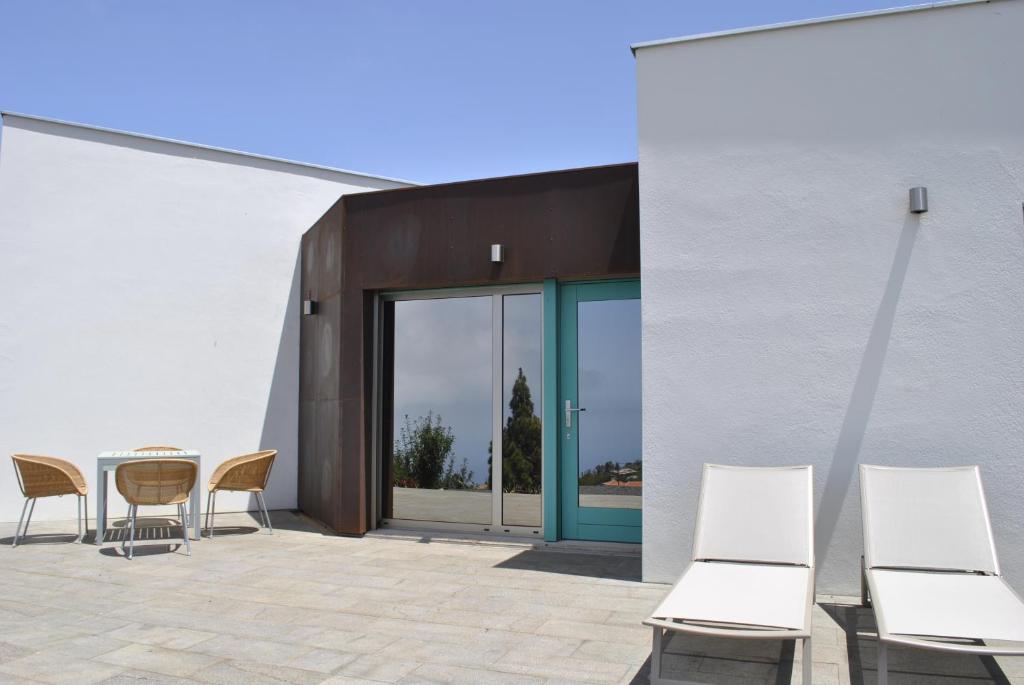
[423, 457]
[612, 472]
[520, 442]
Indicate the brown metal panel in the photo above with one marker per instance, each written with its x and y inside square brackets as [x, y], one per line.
[571, 225]
[329, 246]
[325, 478]
[352, 493]
[576, 224]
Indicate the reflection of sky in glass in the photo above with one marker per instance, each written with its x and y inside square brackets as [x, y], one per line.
[609, 382]
[443, 364]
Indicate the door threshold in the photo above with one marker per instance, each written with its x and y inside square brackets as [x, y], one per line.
[423, 535]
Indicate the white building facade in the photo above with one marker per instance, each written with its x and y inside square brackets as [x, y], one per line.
[149, 294]
[794, 310]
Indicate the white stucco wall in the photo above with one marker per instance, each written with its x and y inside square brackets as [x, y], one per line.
[793, 310]
[149, 295]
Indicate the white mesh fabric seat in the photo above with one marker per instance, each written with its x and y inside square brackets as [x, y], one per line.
[748, 595]
[752, 573]
[930, 563]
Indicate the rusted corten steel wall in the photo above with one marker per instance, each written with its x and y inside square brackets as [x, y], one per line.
[570, 225]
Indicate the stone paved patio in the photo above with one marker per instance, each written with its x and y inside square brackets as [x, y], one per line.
[304, 607]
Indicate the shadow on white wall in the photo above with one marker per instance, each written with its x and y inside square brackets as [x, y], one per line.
[858, 412]
[281, 419]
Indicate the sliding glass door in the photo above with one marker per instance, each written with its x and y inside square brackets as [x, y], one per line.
[459, 394]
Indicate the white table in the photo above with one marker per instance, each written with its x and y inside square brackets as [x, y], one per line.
[108, 461]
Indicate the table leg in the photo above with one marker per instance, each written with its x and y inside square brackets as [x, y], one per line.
[194, 505]
[101, 504]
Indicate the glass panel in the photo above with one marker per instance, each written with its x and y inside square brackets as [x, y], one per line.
[521, 399]
[610, 467]
[441, 410]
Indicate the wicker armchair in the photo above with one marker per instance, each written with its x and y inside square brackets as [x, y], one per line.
[49, 477]
[247, 473]
[156, 482]
[158, 448]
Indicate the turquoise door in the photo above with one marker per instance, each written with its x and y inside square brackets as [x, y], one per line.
[599, 411]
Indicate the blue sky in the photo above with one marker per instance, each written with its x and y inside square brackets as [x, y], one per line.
[427, 91]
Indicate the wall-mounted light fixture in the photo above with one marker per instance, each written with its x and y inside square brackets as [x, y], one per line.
[497, 253]
[308, 307]
[918, 200]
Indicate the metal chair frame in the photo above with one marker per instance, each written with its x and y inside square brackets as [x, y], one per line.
[211, 513]
[133, 512]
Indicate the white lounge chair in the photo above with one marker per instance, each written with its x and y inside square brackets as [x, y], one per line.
[930, 565]
[752, 573]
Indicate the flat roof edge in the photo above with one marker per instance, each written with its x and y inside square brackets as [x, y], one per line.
[805, 22]
[212, 148]
[490, 179]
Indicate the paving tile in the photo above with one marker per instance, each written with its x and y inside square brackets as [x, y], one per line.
[157, 659]
[249, 673]
[143, 678]
[445, 674]
[43, 667]
[467, 654]
[9, 652]
[350, 641]
[349, 680]
[260, 651]
[322, 660]
[160, 635]
[379, 668]
[84, 646]
[565, 668]
[616, 652]
[595, 631]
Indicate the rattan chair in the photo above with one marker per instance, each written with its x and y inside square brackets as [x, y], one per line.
[49, 477]
[247, 473]
[156, 482]
[158, 448]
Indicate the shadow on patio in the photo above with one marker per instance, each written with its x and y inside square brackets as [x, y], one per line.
[617, 567]
[905, 665]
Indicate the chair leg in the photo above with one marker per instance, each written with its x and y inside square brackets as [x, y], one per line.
[31, 509]
[78, 509]
[883, 663]
[85, 514]
[263, 503]
[865, 595]
[656, 656]
[133, 510]
[17, 531]
[212, 514]
[259, 510]
[807, 663]
[184, 528]
[206, 520]
[128, 522]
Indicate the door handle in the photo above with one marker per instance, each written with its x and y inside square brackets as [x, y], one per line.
[569, 409]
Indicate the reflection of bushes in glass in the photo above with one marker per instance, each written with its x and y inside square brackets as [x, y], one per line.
[521, 442]
[423, 457]
[613, 471]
